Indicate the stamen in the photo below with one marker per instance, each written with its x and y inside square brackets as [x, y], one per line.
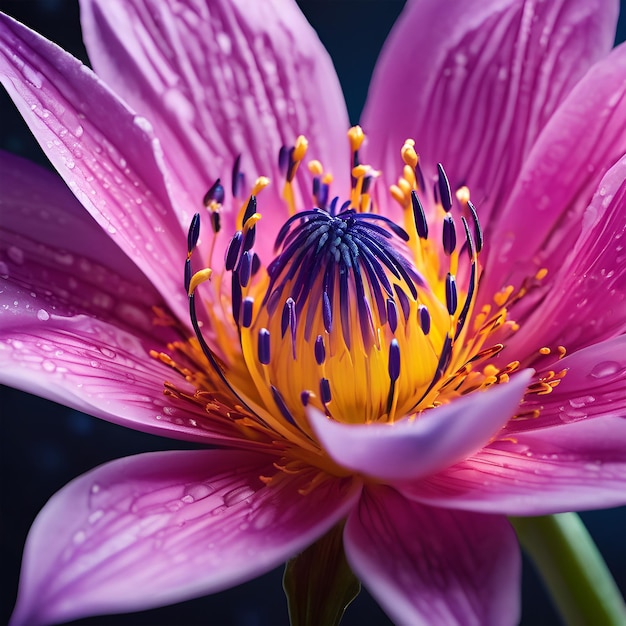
[325, 394]
[424, 318]
[264, 346]
[232, 252]
[449, 235]
[394, 360]
[444, 188]
[451, 295]
[246, 316]
[320, 350]
[214, 196]
[419, 217]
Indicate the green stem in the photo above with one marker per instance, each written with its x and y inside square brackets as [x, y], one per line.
[572, 569]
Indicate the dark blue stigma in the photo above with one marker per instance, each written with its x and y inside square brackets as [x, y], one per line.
[348, 257]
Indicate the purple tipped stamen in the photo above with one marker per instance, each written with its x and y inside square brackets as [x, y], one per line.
[214, 195]
[449, 235]
[394, 360]
[424, 318]
[443, 186]
[263, 346]
[451, 294]
[419, 217]
[320, 350]
[325, 391]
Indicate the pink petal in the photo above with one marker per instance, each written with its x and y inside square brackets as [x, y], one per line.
[159, 528]
[571, 467]
[586, 302]
[76, 319]
[408, 449]
[475, 82]
[220, 79]
[431, 566]
[594, 386]
[52, 248]
[105, 153]
[584, 138]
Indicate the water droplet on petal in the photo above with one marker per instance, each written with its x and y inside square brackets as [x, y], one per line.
[239, 494]
[198, 491]
[605, 369]
[16, 254]
[79, 537]
[43, 315]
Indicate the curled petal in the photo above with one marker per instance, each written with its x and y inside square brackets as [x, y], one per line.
[431, 566]
[159, 528]
[408, 450]
[571, 467]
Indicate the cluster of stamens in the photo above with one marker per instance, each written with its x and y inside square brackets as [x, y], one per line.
[363, 318]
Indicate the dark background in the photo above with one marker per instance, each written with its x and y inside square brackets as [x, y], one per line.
[44, 445]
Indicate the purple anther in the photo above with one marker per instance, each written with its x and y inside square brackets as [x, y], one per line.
[232, 252]
[405, 305]
[288, 318]
[193, 233]
[392, 314]
[250, 238]
[215, 194]
[424, 318]
[322, 197]
[236, 177]
[367, 181]
[244, 268]
[263, 346]
[449, 235]
[327, 312]
[451, 296]
[246, 315]
[235, 296]
[316, 186]
[256, 263]
[419, 177]
[320, 350]
[444, 188]
[325, 390]
[283, 159]
[394, 360]
[478, 231]
[188, 274]
[250, 209]
[282, 407]
[216, 223]
[304, 397]
[419, 217]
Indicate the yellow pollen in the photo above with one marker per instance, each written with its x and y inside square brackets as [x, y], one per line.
[356, 137]
[315, 167]
[541, 274]
[357, 316]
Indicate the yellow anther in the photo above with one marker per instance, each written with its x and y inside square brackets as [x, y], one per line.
[490, 371]
[408, 173]
[463, 194]
[503, 295]
[409, 156]
[398, 195]
[315, 167]
[356, 137]
[360, 170]
[541, 274]
[562, 351]
[544, 351]
[299, 149]
[198, 278]
[328, 178]
[409, 142]
[251, 221]
[406, 186]
[261, 183]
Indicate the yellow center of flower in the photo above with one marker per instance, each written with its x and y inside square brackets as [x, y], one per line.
[363, 318]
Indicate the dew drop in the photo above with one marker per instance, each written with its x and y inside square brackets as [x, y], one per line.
[95, 516]
[16, 254]
[79, 537]
[48, 366]
[198, 491]
[239, 494]
[174, 506]
[579, 403]
[107, 352]
[95, 488]
[43, 315]
[605, 369]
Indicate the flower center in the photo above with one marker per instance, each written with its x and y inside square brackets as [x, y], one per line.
[363, 318]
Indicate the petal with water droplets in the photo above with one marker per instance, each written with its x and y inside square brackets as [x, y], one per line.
[159, 528]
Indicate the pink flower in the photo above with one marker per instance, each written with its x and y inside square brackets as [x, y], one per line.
[415, 383]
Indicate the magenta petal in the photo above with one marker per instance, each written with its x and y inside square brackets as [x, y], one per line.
[586, 302]
[594, 386]
[105, 153]
[408, 449]
[429, 566]
[571, 467]
[474, 83]
[583, 139]
[219, 79]
[159, 528]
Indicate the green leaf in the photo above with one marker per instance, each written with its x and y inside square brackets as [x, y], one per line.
[572, 569]
[319, 583]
